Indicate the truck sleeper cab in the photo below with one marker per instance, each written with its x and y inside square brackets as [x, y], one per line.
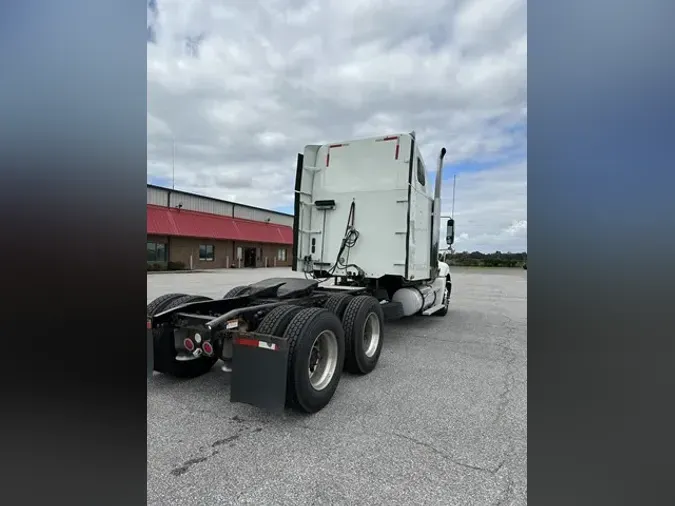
[380, 187]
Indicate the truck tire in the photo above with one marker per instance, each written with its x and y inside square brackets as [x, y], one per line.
[337, 304]
[185, 299]
[165, 350]
[446, 294]
[315, 359]
[276, 321]
[363, 324]
[235, 292]
[157, 305]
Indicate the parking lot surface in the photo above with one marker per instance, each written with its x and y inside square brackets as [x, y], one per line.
[441, 420]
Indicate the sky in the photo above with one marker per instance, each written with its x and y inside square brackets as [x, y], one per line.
[237, 88]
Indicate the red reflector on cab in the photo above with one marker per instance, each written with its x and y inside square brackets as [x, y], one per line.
[148, 325]
[329, 148]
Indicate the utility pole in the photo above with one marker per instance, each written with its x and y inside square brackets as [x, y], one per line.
[452, 211]
[173, 164]
[454, 182]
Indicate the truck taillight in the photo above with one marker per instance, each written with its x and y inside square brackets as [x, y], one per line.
[188, 344]
[208, 348]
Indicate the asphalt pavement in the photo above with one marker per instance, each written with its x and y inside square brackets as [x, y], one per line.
[442, 420]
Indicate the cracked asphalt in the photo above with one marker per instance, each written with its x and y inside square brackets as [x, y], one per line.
[441, 420]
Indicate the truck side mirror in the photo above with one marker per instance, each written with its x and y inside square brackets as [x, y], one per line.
[450, 232]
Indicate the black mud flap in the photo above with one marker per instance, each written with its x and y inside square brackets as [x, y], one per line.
[259, 371]
[151, 350]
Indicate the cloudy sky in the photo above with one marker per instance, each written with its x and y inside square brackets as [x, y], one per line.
[243, 85]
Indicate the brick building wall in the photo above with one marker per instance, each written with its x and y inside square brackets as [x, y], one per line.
[179, 249]
[265, 253]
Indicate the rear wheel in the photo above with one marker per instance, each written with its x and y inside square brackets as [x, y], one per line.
[235, 292]
[185, 299]
[337, 304]
[165, 350]
[446, 299]
[316, 356]
[276, 321]
[157, 305]
[363, 324]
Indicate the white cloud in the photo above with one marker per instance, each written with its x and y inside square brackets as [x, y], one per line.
[490, 209]
[274, 75]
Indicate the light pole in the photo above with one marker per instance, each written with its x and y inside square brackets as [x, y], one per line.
[173, 163]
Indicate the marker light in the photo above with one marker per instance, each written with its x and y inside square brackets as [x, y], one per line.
[208, 348]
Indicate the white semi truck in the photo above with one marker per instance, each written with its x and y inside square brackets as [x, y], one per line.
[366, 237]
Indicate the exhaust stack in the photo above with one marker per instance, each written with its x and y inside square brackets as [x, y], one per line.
[436, 216]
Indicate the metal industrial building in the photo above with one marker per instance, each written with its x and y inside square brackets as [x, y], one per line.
[206, 233]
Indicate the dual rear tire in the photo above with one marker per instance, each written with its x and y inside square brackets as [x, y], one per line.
[316, 353]
[347, 333]
[363, 322]
[236, 292]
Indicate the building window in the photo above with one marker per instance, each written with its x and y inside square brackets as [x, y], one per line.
[421, 173]
[281, 254]
[157, 252]
[207, 252]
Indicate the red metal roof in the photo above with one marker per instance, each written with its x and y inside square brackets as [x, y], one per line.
[170, 221]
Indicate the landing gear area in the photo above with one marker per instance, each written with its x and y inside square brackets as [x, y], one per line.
[286, 340]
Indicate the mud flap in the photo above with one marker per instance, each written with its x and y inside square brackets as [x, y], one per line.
[259, 371]
[151, 351]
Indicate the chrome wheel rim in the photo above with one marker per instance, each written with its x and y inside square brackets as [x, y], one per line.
[371, 335]
[323, 358]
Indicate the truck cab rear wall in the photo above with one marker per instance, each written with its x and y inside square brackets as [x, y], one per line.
[363, 165]
[390, 192]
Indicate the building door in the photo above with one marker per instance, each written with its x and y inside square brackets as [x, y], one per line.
[249, 257]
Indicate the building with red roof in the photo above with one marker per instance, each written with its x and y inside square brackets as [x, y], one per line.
[202, 232]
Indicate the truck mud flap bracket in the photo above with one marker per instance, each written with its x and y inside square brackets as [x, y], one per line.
[259, 371]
